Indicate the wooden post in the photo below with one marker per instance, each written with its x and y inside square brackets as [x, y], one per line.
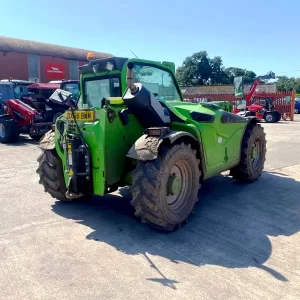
[293, 104]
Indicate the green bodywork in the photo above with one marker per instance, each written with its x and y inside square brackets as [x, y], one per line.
[109, 141]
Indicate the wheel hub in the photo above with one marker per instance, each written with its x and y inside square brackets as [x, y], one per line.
[254, 152]
[174, 185]
[269, 118]
[2, 131]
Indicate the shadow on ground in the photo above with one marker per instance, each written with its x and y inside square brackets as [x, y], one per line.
[230, 226]
[23, 140]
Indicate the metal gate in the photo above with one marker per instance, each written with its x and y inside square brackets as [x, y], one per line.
[284, 102]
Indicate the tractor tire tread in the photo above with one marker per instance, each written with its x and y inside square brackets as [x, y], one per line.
[51, 175]
[12, 131]
[146, 185]
[243, 172]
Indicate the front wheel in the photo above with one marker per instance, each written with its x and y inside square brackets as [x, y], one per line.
[296, 111]
[253, 155]
[165, 190]
[51, 174]
[269, 117]
[9, 131]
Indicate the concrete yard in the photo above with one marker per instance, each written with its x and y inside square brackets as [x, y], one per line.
[243, 241]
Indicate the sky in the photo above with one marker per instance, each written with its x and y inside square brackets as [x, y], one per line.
[256, 35]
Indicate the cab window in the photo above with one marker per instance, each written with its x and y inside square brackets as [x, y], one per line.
[157, 81]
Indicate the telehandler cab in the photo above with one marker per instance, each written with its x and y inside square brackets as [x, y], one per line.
[149, 139]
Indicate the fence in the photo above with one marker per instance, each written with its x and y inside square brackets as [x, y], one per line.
[284, 102]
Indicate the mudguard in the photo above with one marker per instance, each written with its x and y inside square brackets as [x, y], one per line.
[47, 142]
[146, 147]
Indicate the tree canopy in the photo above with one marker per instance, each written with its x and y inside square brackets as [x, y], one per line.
[200, 69]
[285, 83]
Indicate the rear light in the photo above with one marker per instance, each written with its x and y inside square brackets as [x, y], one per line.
[157, 131]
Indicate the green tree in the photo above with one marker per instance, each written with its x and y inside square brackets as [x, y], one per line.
[285, 83]
[195, 70]
[249, 76]
[200, 69]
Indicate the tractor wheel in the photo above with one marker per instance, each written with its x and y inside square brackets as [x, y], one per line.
[9, 131]
[253, 155]
[277, 115]
[270, 117]
[51, 175]
[165, 190]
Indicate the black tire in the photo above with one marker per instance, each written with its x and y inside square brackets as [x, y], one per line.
[296, 111]
[278, 116]
[250, 168]
[150, 187]
[272, 117]
[51, 175]
[9, 131]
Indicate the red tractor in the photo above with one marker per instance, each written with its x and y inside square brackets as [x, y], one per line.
[262, 111]
[34, 113]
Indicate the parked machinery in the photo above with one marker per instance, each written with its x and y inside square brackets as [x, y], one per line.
[33, 113]
[131, 127]
[265, 111]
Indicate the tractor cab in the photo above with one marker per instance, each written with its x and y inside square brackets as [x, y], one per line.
[12, 89]
[6, 92]
[104, 78]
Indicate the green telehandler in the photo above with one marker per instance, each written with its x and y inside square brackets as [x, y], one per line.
[131, 127]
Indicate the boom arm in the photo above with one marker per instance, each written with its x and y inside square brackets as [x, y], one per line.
[252, 91]
[270, 75]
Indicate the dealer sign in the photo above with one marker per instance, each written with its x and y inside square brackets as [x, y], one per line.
[55, 71]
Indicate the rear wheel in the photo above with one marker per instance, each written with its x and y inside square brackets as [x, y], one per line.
[165, 190]
[51, 175]
[253, 155]
[269, 117]
[9, 131]
[272, 117]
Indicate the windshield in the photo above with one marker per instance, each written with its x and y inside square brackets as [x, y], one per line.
[20, 90]
[99, 88]
[158, 81]
[6, 92]
[72, 87]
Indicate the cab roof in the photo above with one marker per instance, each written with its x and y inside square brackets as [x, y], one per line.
[100, 64]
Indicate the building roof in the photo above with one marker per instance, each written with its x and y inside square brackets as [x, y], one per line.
[224, 89]
[8, 44]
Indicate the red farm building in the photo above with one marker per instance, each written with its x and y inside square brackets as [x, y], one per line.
[43, 62]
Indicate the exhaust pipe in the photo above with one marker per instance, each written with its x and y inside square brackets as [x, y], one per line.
[129, 79]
